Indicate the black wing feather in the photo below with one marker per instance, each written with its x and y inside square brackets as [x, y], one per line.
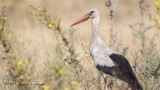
[123, 65]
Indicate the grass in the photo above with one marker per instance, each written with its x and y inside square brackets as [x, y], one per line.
[65, 67]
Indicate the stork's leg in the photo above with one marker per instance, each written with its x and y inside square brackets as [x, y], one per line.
[105, 81]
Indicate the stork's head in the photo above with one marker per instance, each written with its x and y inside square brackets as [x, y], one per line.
[93, 13]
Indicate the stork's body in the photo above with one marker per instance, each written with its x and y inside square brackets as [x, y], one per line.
[106, 60]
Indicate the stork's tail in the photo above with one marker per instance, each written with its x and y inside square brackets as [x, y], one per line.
[134, 84]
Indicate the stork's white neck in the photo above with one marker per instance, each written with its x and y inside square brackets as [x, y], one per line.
[95, 23]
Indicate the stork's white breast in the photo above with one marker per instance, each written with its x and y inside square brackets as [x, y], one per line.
[101, 57]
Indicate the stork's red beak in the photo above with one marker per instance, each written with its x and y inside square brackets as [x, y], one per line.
[86, 17]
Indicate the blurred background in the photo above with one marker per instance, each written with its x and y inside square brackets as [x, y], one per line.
[38, 48]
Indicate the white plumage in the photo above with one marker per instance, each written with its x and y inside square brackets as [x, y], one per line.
[98, 48]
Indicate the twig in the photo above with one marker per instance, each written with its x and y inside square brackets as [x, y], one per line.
[142, 14]
[113, 23]
[156, 70]
[143, 24]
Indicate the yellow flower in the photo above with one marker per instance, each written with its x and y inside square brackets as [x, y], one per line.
[50, 25]
[19, 63]
[25, 61]
[75, 83]
[23, 69]
[27, 82]
[157, 4]
[66, 88]
[52, 70]
[60, 72]
[157, 24]
[82, 42]
[5, 18]
[39, 9]
[21, 77]
[86, 55]
[26, 75]
[45, 87]
[1, 27]
[156, 17]
[56, 66]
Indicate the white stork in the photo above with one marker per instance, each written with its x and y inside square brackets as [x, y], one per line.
[105, 59]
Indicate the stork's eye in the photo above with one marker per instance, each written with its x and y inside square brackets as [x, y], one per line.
[91, 12]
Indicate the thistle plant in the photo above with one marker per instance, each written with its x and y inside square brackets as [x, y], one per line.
[112, 5]
[54, 24]
[18, 70]
[148, 73]
[4, 30]
[57, 73]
